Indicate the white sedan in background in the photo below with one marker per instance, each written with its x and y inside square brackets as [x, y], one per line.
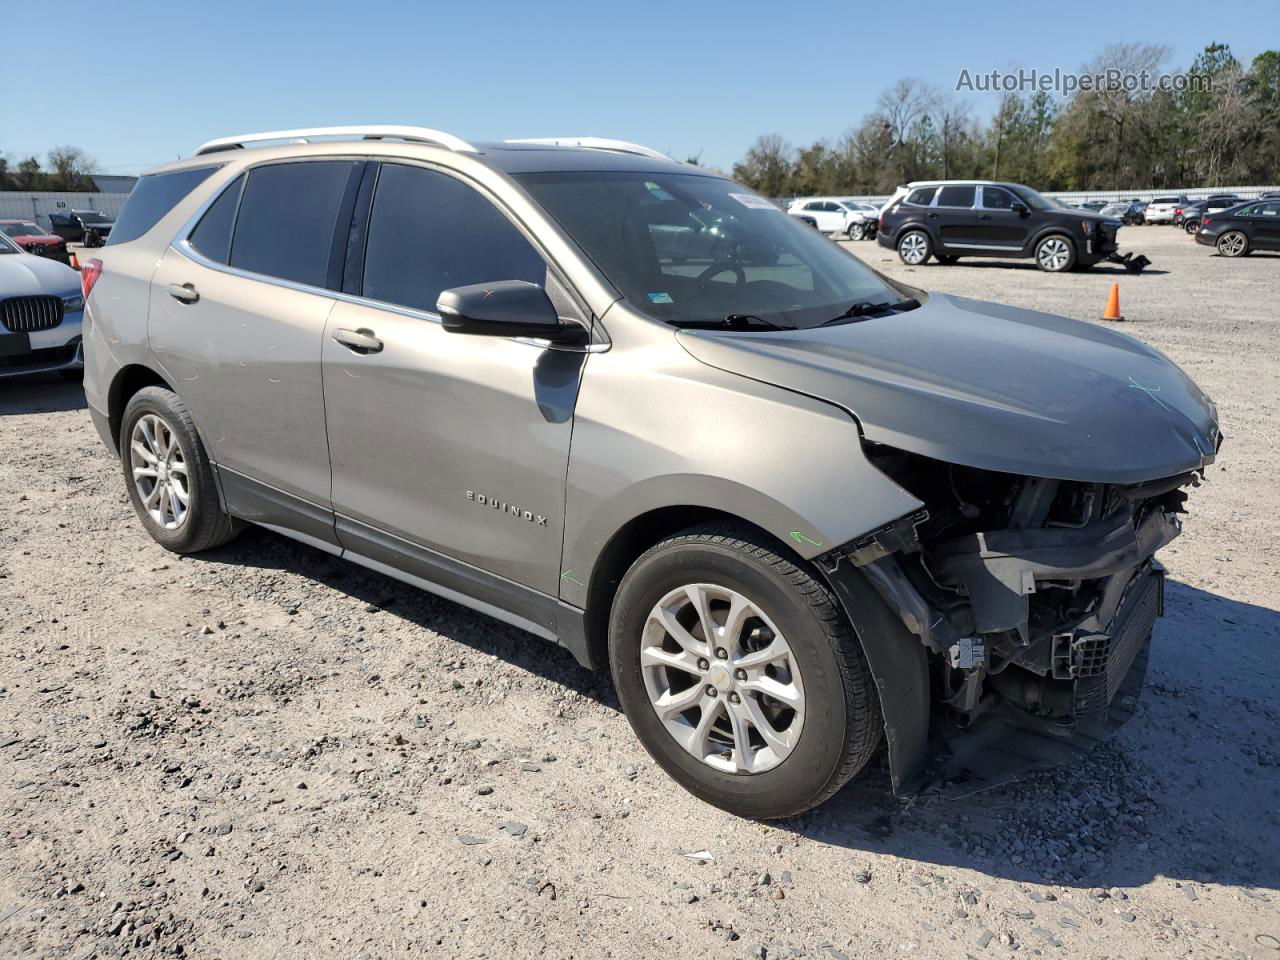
[41, 309]
[835, 215]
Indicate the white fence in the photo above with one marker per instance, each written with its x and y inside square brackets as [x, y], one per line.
[21, 205]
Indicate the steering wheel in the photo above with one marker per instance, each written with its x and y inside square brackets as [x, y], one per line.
[719, 267]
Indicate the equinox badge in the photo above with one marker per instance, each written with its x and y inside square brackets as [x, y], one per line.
[504, 507]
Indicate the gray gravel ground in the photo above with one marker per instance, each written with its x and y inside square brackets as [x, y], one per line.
[264, 752]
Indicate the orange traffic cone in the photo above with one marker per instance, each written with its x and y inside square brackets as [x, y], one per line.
[75, 261]
[1113, 305]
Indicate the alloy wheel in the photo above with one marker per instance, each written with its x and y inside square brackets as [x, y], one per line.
[1054, 254]
[722, 679]
[1232, 245]
[159, 471]
[914, 248]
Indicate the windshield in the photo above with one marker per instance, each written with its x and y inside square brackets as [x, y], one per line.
[21, 230]
[7, 245]
[685, 248]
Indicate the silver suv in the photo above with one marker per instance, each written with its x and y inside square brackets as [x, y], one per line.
[796, 508]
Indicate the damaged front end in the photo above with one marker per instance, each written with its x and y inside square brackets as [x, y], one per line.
[1033, 601]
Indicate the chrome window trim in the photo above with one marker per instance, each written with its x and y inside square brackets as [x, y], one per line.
[182, 244]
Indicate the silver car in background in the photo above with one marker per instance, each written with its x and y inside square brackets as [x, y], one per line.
[796, 509]
[41, 306]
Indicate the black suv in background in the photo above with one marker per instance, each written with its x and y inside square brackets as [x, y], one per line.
[949, 219]
[89, 227]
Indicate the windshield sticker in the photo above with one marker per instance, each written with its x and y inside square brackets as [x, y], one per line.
[754, 202]
[660, 298]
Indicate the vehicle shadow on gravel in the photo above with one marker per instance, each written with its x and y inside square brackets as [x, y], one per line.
[39, 393]
[1186, 791]
[1118, 817]
[1099, 269]
[259, 548]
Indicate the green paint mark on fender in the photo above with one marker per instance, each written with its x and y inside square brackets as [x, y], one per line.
[799, 537]
[567, 575]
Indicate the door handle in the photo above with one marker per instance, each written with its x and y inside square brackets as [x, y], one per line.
[932, 216]
[361, 341]
[183, 292]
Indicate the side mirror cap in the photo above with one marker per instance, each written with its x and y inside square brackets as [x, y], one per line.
[1020, 209]
[505, 308]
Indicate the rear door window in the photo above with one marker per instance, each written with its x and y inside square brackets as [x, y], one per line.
[956, 195]
[152, 197]
[212, 235]
[429, 232]
[288, 214]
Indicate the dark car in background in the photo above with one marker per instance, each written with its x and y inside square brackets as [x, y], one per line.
[948, 219]
[1194, 215]
[32, 238]
[1128, 212]
[1242, 229]
[89, 227]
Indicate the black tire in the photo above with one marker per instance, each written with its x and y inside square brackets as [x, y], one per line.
[842, 723]
[946, 259]
[907, 249]
[857, 230]
[206, 524]
[1064, 258]
[1191, 226]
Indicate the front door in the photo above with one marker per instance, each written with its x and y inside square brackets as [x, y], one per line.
[455, 446]
[999, 227]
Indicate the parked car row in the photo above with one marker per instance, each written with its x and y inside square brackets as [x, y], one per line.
[41, 307]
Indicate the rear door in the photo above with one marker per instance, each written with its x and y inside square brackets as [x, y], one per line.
[999, 227]
[955, 214]
[237, 320]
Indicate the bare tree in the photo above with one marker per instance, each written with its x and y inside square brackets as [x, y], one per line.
[70, 168]
[903, 104]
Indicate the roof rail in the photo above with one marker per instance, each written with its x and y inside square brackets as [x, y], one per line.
[597, 143]
[366, 132]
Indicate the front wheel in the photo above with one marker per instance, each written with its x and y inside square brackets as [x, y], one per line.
[857, 230]
[740, 674]
[1233, 244]
[1055, 253]
[168, 474]
[914, 247]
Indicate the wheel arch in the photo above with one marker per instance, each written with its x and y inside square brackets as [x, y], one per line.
[622, 550]
[128, 380]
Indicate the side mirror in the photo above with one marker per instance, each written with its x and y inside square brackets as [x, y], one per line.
[1019, 208]
[507, 308]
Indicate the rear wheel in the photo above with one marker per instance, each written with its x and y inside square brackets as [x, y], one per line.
[1055, 253]
[168, 474]
[914, 247]
[1191, 226]
[1233, 243]
[739, 673]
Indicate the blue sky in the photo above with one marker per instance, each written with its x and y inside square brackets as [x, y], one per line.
[684, 77]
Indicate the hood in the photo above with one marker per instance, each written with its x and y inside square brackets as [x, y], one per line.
[48, 240]
[24, 274]
[992, 387]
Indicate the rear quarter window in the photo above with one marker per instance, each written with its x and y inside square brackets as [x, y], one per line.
[152, 197]
[921, 196]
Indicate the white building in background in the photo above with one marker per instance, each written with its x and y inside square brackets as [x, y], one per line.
[38, 204]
